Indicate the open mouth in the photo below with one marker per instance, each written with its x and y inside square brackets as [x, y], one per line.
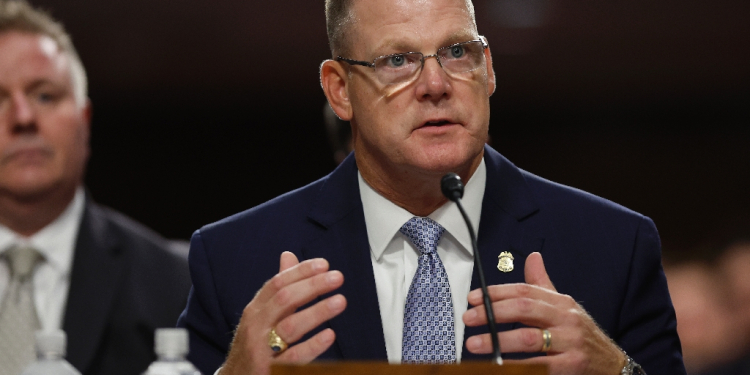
[437, 123]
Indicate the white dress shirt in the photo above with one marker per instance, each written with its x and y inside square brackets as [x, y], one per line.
[395, 258]
[55, 243]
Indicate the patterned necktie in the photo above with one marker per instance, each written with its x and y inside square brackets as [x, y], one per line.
[429, 334]
[18, 319]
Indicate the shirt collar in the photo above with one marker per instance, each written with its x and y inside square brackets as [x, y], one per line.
[383, 218]
[56, 241]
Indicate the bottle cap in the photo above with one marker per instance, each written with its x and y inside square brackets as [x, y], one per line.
[51, 342]
[171, 342]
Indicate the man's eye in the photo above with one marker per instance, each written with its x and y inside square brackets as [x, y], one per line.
[396, 61]
[45, 97]
[457, 51]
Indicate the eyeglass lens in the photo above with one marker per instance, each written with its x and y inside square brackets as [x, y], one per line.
[455, 59]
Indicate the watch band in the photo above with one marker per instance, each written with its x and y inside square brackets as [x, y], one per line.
[631, 367]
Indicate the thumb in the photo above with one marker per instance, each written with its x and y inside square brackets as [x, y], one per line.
[535, 272]
[288, 260]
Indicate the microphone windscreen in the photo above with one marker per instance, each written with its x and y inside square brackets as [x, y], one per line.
[452, 186]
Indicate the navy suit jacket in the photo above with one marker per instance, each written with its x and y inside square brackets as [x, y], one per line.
[602, 254]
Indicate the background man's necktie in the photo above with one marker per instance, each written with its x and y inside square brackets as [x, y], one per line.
[429, 333]
[18, 318]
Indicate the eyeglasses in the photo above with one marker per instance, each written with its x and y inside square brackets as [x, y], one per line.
[401, 67]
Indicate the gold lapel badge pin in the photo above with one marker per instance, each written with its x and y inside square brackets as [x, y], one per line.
[505, 261]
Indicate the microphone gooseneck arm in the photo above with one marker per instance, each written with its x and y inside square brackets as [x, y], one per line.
[453, 189]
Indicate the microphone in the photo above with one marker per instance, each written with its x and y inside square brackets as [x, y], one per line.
[453, 189]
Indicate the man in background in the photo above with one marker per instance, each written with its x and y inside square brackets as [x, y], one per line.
[705, 316]
[710, 289]
[66, 262]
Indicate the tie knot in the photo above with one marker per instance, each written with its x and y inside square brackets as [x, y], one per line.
[22, 260]
[424, 233]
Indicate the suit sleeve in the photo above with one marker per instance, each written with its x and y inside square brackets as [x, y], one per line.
[209, 332]
[648, 326]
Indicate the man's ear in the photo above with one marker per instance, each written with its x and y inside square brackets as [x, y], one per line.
[87, 111]
[490, 71]
[334, 80]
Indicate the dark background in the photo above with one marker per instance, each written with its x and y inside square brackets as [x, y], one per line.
[206, 108]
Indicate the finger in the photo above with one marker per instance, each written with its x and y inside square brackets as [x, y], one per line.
[571, 362]
[535, 272]
[521, 340]
[524, 310]
[288, 260]
[510, 291]
[562, 363]
[304, 270]
[307, 351]
[293, 296]
[549, 361]
[293, 327]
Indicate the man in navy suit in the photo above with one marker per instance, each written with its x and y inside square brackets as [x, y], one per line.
[414, 78]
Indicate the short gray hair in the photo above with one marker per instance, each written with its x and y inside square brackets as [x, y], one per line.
[18, 15]
[339, 16]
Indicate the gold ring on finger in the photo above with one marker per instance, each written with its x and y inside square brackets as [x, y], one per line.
[547, 337]
[277, 344]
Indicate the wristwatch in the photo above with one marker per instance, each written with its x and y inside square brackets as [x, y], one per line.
[631, 367]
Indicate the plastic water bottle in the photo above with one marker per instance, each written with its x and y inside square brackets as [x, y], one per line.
[50, 351]
[171, 347]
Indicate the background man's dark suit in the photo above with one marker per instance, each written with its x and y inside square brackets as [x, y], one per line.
[603, 255]
[125, 282]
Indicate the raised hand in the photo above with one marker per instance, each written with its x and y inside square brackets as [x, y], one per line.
[274, 307]
[576, 344]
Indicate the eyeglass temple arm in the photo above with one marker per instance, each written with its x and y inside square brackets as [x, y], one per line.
[355, 62]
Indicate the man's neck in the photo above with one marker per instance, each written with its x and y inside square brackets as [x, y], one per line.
[27, 215]
[415, 191]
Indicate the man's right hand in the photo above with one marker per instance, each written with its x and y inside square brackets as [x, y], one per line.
[275, 306]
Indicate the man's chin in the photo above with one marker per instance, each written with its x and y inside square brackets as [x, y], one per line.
[452, 155]
[29, 190]
[440, 164]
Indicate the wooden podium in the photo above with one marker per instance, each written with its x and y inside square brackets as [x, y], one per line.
[383, 368]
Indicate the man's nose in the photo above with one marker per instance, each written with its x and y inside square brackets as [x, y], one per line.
[23, 114]
[434, 83]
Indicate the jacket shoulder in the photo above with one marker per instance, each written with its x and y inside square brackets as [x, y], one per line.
[576, 202]
[289, 210]
[133, 236]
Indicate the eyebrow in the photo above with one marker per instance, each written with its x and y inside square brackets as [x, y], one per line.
[40, 83]
[460, 36]
[37, 84]
[401, 45]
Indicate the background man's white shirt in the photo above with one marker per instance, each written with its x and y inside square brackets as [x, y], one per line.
[56, 243]
[395, 258]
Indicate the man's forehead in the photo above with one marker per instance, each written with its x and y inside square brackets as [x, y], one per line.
[27, 53]
[28, 41]
[372, 11]
[403, 24]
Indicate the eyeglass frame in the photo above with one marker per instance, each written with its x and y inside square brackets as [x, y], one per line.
[481, 39]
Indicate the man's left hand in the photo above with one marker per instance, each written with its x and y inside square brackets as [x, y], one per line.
[577, 345]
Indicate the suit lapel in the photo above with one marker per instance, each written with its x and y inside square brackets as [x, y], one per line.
[97, 269]
[359, 334]
[506, 204]
[344, 243]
